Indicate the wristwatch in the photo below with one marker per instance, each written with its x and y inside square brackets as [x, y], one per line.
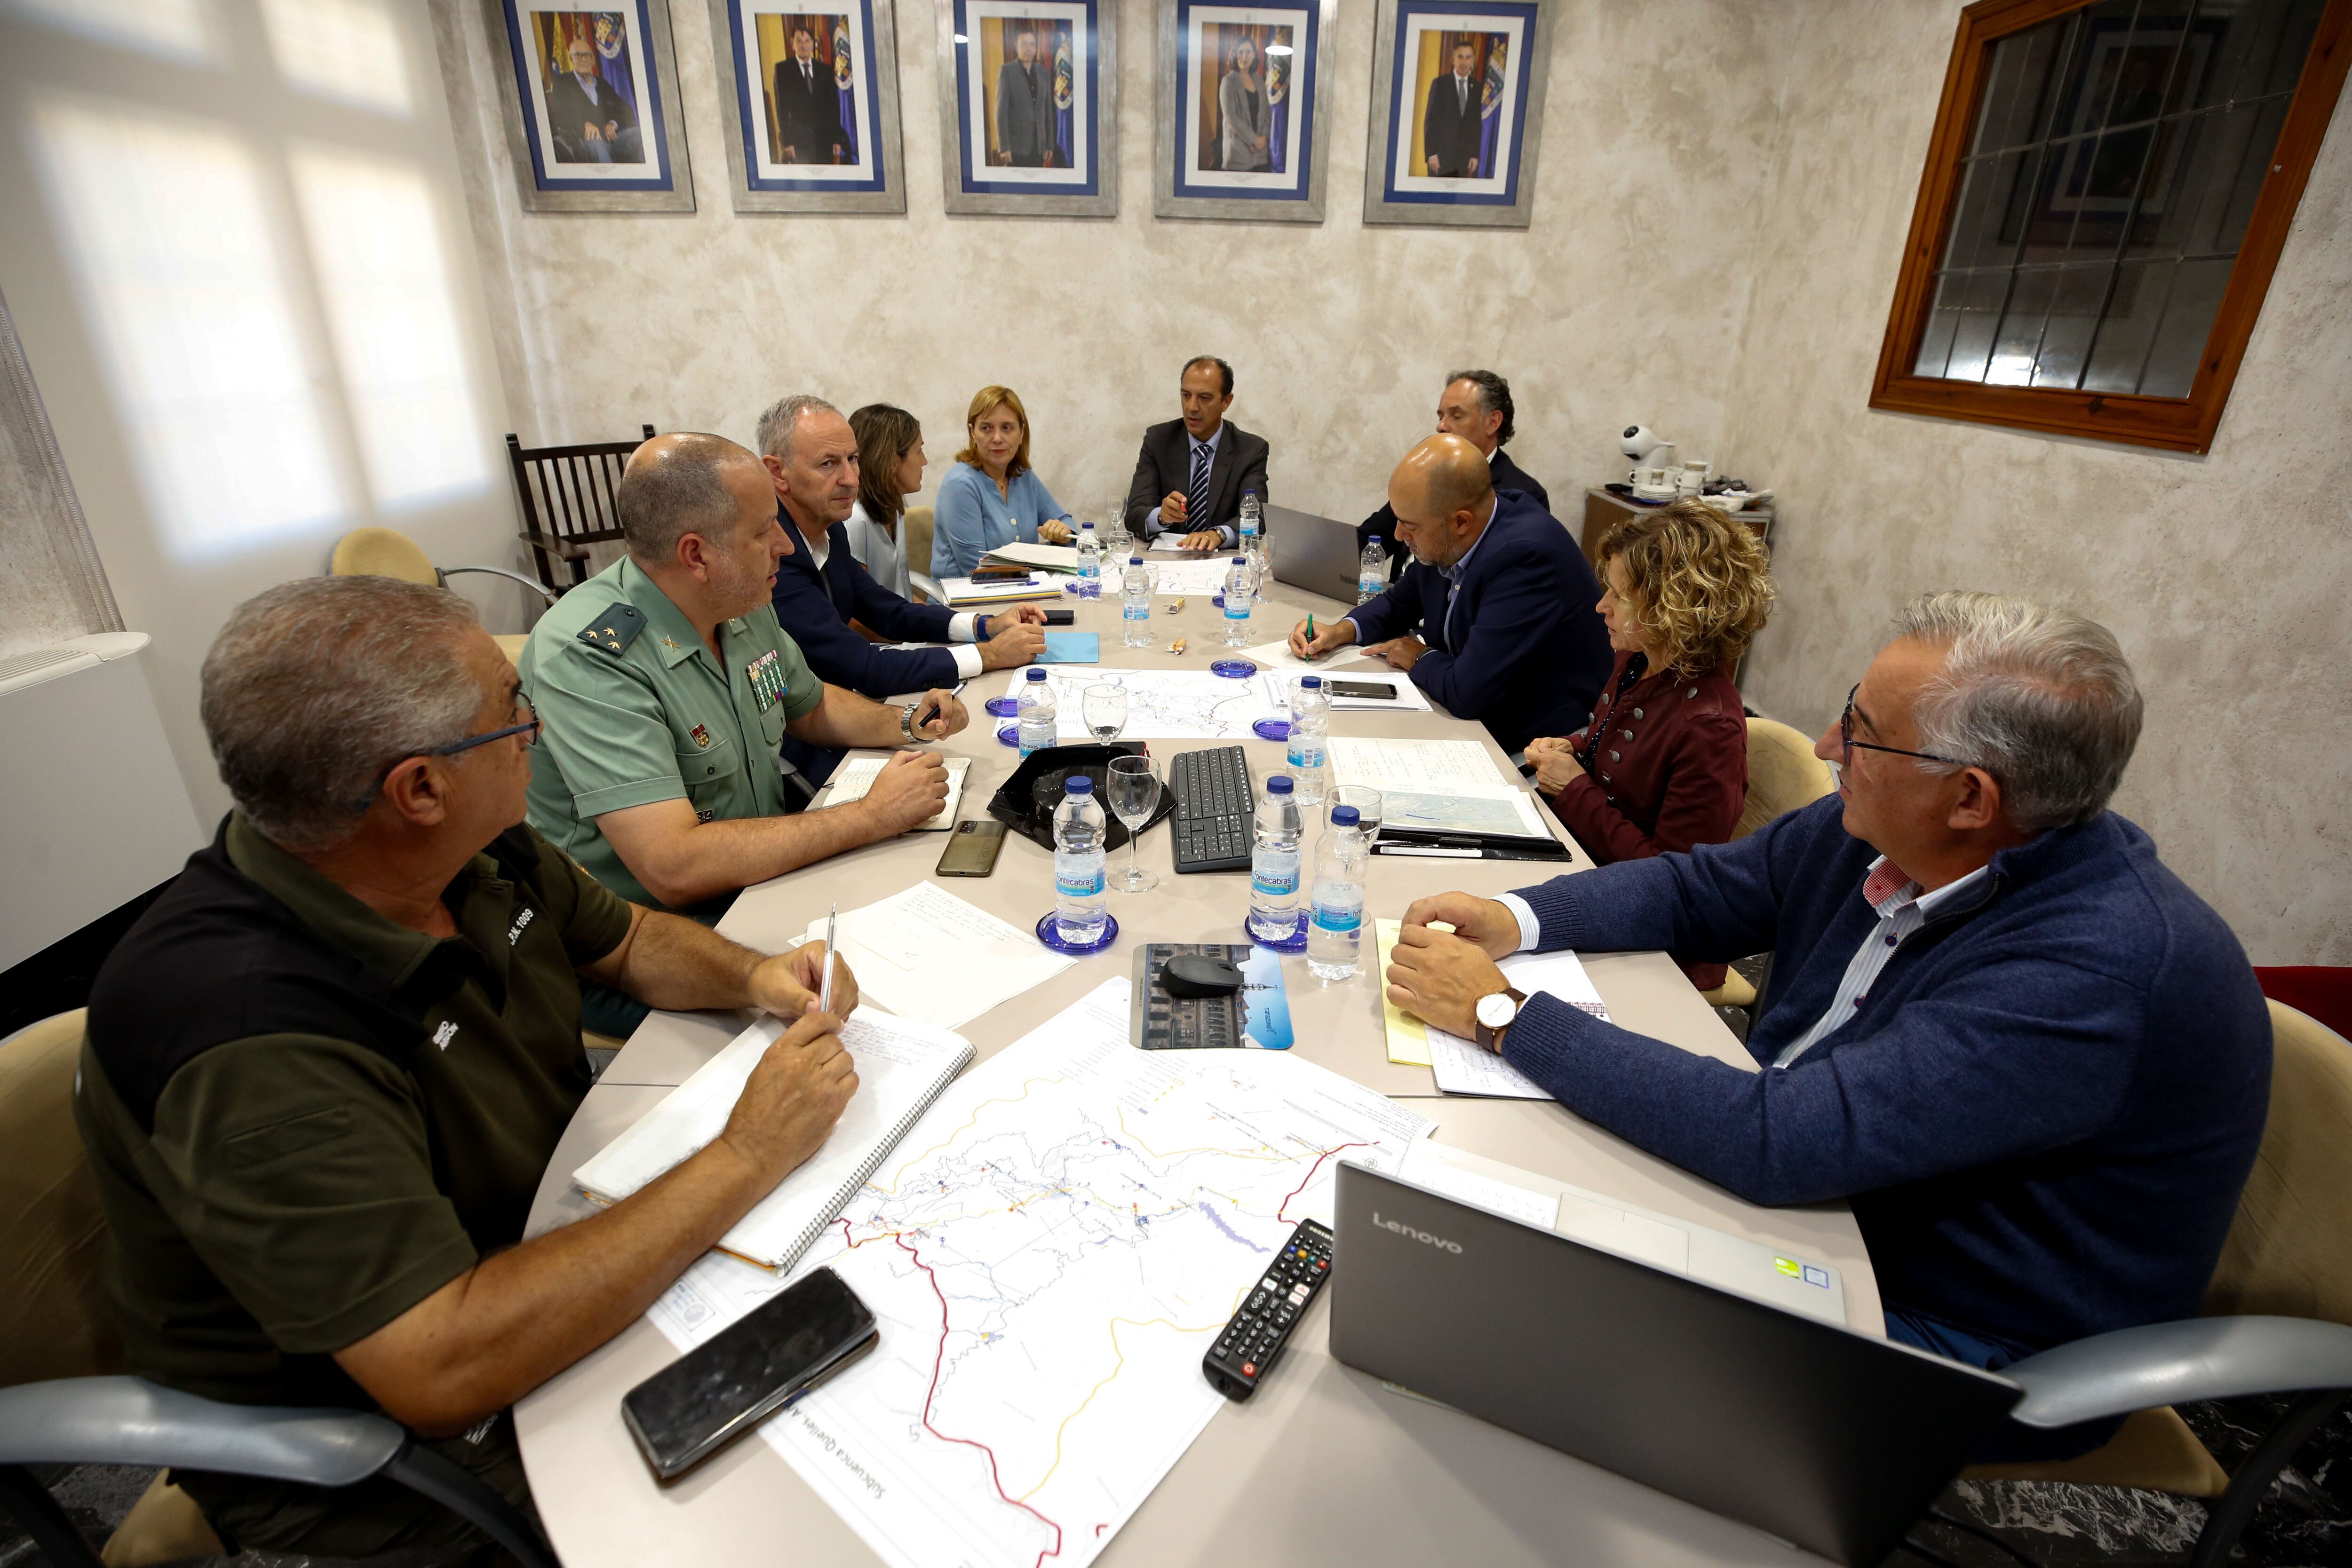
[1496, 1013]
[906, 720]
[980, 628]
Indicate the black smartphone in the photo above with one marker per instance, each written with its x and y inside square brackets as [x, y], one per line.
[1383, 690]
[1061, 617]
[753, 1368]
[971, 849]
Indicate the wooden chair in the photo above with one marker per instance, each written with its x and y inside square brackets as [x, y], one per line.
[916, 527]
[1782, 775]
[2288, 1256]
[567, 496]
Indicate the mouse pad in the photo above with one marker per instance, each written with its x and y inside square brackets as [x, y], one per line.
[1257, 1017]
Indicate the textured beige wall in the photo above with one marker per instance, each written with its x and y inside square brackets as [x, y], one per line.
[1725, 185]
[2226, 576]
[1610, 307]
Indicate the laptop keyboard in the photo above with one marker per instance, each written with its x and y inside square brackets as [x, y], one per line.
[1212, 809]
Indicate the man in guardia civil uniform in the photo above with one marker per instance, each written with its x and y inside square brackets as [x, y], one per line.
[668, 686]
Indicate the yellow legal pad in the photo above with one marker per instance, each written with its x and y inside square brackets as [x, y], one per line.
[1408, 1035]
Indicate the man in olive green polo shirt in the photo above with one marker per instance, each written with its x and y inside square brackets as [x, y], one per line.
[667, 687]
[326, 1070]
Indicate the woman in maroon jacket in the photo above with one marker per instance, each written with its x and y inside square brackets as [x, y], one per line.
[1664, 763]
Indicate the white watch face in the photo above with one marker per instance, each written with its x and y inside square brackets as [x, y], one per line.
[1497, 1011]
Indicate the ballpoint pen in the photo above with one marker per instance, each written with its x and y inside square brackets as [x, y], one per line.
[954, 691]
[824, 987]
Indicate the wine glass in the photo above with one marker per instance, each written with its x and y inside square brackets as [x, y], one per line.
[1105, 710]
[1134, 796]
[1115, 538]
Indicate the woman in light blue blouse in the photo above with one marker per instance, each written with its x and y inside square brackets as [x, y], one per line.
[991, 495]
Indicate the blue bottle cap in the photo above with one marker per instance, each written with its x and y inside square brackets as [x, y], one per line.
[1345, 816]
[1036, 674]
[1135, 560]
[1241, 560]
[1279, 784]
[1311, 682]
[1077, 784]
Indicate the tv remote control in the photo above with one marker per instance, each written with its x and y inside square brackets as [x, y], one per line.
[1253, 1341]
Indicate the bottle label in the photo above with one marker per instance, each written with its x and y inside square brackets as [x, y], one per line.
[1079, 874]
[1236, 608]
[1305, 755]
[1337, 918]
[1273, 873]
[1136, 613]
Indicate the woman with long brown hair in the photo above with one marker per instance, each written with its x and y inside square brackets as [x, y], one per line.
[890, 464]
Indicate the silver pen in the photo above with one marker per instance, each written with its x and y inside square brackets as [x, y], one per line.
[824, 987]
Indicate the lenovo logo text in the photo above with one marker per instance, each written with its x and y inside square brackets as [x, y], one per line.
[1422, 1236]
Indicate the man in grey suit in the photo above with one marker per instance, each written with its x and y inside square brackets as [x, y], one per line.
[1192, 472]
[1024, 108]
[1449, 123]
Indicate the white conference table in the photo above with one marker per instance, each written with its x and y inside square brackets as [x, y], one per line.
[1324, 1465]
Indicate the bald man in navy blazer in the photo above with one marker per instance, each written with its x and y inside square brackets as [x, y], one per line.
[1497, 617]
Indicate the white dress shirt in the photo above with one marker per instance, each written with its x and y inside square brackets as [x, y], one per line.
[1902, 910]
[1192, 445]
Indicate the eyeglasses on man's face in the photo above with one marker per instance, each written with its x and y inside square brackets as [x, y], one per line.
[1851, 746]
[528, 729]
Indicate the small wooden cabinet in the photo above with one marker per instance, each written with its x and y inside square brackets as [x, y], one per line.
[1603, 509]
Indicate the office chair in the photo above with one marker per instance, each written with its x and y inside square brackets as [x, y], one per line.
[570, 500]
[1782, 775]
[388, 552]
[63, 1399]
[2276, 1322]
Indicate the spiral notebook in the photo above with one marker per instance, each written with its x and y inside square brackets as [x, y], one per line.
[902, 1067]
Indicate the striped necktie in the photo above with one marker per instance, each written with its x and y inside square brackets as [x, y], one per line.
[1196, 500]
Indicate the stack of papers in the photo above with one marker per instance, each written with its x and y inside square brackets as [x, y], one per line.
[855, 775]
[901, 1069]
[1437, 787]
[929, 956]
[962, 592]
[1204, 575]
[1409, 697]
[1462, 1067]
[1046, 557]
[1408, 1035]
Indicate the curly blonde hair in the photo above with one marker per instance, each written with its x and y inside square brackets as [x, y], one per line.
[1700, 583]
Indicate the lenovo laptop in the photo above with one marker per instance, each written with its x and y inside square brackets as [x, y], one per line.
[1503, 1296]
[1318, 554]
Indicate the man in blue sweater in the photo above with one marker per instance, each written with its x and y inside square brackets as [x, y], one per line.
[828, 602]
[2033, 1061]
[1497, 617]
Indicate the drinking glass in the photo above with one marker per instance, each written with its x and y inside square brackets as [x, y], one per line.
[1364, 798]
[1105, 706]
[1134, 796]
[1117, 541]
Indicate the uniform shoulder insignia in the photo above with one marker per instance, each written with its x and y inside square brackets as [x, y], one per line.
[613, 632]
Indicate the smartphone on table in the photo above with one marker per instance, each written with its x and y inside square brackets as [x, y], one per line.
[971, 849]
[1382, 690]
[747, 1372]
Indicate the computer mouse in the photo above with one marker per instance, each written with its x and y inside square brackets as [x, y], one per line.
[1198, 975]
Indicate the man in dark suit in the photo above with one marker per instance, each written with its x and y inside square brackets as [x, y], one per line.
[1449, 121]
[592, 122]
[1476, 406]
[1024, 107]
[808, 106]
[827, 602]
[1496, 618]
[1192, 472]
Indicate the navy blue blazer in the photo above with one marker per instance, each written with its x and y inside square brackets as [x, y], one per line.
[816, 607]
[1527, 653]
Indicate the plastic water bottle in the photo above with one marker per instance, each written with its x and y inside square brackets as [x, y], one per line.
[1372, 573]
[1240, 587]
[1040, 719]
[1310, 725]
[1090, 554]
[1253, 536]
[1273, 864]
[1078, 911]
[1335, 926]
[1135, 603]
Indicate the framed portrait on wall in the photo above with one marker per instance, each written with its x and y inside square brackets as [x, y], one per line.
[1029, 106]
[592, 109]
[810, 102]
[1239, 131]
[1457, 111]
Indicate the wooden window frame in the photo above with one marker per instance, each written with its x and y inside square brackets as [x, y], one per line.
[2176, 423]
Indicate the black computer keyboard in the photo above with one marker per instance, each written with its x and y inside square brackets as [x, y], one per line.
[1212, 809]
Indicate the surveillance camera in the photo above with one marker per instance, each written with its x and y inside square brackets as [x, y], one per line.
[1639, 441]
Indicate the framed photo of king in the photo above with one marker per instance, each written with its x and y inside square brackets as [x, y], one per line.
[592, 112]
[1239, 131]
[811, 101]
[1029, 107]
[1457, 111]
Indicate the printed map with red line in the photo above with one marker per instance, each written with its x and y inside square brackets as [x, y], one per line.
[1050, 1251]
